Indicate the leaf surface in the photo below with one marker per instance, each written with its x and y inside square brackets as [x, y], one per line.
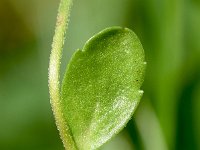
[101, 87]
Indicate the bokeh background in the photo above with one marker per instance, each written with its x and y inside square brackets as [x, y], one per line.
[168, 117]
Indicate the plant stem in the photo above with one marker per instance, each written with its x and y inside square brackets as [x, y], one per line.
[54, 73]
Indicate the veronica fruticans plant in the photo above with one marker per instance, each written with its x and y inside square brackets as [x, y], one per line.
[101, 87]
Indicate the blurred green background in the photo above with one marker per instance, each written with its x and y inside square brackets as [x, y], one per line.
[168, 117]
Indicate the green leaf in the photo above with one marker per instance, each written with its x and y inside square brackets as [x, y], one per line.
[101, 87]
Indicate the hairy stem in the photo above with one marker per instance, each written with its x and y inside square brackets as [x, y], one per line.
[54, 73]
